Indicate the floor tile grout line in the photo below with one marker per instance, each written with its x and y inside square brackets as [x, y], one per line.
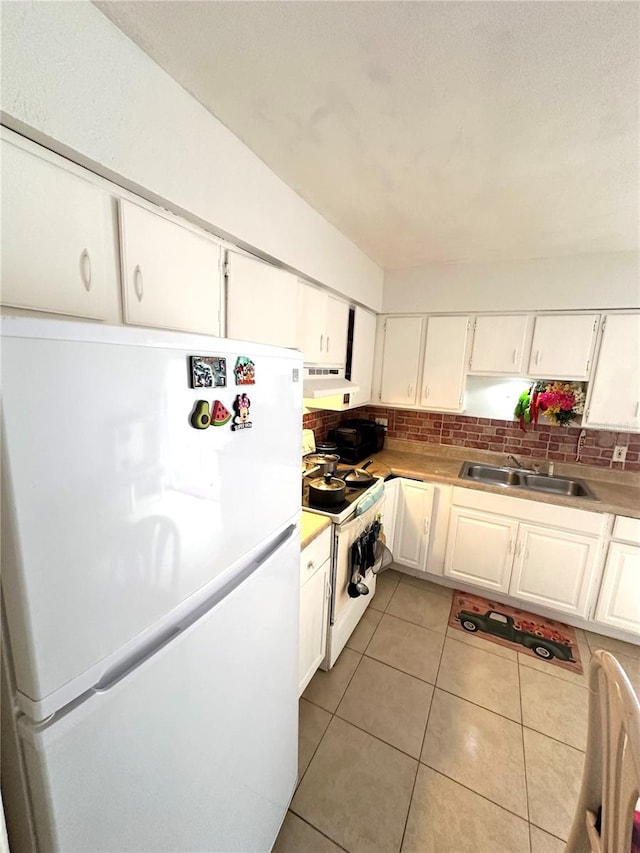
[524, 759]
[489, 651]
[313, 754]
[377, 737]
[473, 791]
[552, 834]
[553, 674]
[424, 735]
[555, 739]
[319, 831]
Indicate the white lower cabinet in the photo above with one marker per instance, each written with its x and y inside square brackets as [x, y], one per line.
[412, 524]
[480, 548]
[619, 599]
[415, 520]
[535, 552]
[554, 568]
[315, 592]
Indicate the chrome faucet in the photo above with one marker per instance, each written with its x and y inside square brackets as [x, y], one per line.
[535, 467]
[518, 463]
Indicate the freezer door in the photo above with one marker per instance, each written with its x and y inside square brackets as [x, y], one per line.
[116, 511]
[195, 749]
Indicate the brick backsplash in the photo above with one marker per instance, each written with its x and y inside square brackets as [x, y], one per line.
[544, 441]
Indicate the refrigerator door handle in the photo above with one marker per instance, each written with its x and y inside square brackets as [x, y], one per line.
[115, 674]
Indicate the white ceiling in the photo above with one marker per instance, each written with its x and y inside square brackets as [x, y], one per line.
[425, 131]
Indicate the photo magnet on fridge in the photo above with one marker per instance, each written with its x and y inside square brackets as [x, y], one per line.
[207, 371]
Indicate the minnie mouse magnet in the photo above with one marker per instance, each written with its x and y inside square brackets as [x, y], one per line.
[241, 408]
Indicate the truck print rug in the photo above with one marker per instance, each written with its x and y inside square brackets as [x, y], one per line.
[537, 636]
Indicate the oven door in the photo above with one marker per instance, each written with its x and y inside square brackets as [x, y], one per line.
[346, 612]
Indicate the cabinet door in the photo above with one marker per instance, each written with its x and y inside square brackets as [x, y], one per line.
[499, 344]
[313, 315]
[390, 511]
[413, 521]
[614, 393]
[364, 339]
[170, 275]
[58, 252]
[400, 358]
[480, 548]
[337, 320]
[562, 346]
[314, 605]
[554, 568]
[619, 599]
[445, 353]
[261, 302]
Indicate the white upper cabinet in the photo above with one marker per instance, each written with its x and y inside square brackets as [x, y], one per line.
[323, 326]
[445, 354]
[500, 343]
[562, 346]
[171, 276]
[364, 338]
[400, 360]
[613, 399]
[58, 251]
[261, 302]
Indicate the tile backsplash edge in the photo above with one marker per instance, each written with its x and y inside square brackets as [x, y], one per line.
[544, 441]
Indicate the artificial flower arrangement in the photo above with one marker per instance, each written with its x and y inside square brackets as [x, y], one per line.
[560, 402]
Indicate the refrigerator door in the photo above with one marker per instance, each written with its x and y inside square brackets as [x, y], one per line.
[195, 749]
[116, 511]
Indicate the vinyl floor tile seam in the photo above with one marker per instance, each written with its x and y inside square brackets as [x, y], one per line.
[477, 793]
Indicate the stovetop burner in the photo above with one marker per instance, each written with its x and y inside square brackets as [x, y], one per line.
[352, 495]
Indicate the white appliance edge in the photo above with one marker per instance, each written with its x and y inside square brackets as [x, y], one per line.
[82, 472]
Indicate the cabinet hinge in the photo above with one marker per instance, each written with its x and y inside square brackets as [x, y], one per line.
[604, 325]
[475, 324]
[385, 326]
[586, 369]
[380, 395]
[595, 324]
[225, 269]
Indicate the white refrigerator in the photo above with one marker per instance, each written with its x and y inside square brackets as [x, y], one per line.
[150, 573]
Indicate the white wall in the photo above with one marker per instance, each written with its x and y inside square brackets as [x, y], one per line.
[606, 280]
[74, 82]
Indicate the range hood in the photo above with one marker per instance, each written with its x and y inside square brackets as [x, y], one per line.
[326, 382]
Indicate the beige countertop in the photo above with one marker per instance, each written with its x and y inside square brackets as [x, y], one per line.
[311, 525]
[617, 492]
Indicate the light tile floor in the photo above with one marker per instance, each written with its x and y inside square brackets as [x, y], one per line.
[423, 739]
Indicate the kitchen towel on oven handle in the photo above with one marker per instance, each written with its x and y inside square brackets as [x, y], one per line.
[374, 494]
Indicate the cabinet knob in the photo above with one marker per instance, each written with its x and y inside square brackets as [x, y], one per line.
[310, 565]
[513, 357]
[537, 356]
[138, 283]
[85, 269]
[409, 390]
[327, 343]
[321, 342]
[426, 392]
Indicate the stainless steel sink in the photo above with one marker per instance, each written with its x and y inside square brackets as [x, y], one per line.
[520, 478]
[490, 474]
[558, 486]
